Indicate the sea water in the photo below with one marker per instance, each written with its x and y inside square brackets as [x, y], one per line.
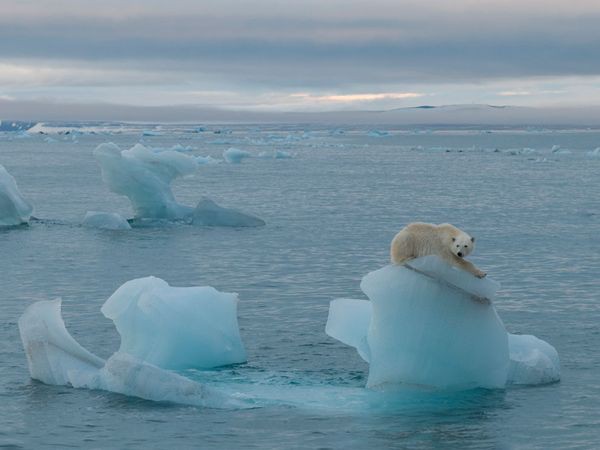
[331, 212]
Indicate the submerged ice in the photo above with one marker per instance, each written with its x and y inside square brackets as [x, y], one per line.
[144, 176]
[14, 209]
[105, 221]
[161, 328]
[432, 324]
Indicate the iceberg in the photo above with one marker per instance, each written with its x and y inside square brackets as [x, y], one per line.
[432, 324]
[176, 327]
[235, 155]
[145, 177]
[14, 209]
[105, 221]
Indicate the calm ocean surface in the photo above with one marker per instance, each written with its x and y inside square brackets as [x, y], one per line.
[331, 213]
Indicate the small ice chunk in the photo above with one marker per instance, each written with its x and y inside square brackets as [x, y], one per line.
[377, 133]
[277, 154]
[151, 133]
[105, 221]
[175, 327]
[265, 155]
[52, 354]
[532, 361]
[208, 213]
[594, 153]
[207, 160]
[520, 151]
[235, 155]
[181, 148]
[14, 209]
[280, 154]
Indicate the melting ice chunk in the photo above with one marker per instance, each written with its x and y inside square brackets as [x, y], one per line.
[145, 178]
[208, 213]
[105, 221]
[183, 321]
[532, 361]
[52, 354]
[124, 374]
[175, 327]
[594, 153]
[435, 325]
[235, 155]
[14, 210]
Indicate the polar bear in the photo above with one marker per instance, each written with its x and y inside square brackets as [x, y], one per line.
[445, 240]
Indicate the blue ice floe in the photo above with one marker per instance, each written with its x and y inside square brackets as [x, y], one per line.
[434, 325]
[161, 327]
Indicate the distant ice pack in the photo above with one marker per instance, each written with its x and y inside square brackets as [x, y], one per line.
[144, 176]
[432, 324]
[161, 328]
[14, 209]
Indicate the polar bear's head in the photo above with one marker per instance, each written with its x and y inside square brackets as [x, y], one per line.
[462, 244]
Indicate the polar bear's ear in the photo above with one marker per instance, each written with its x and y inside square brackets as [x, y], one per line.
[472, 239]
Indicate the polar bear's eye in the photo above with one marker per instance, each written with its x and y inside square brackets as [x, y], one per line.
[453, 239]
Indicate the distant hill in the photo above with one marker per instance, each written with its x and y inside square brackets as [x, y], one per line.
[426, 115]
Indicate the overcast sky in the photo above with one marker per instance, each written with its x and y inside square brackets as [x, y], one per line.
[301, 55]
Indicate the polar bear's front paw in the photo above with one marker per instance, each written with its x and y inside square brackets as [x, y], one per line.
[480, 274]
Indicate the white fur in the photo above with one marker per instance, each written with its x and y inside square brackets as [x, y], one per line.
[445, 240]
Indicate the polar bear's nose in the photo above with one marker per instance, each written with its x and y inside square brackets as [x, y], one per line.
[459, 254]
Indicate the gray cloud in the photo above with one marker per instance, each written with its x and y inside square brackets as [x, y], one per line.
[314, 51]
[261, 53]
